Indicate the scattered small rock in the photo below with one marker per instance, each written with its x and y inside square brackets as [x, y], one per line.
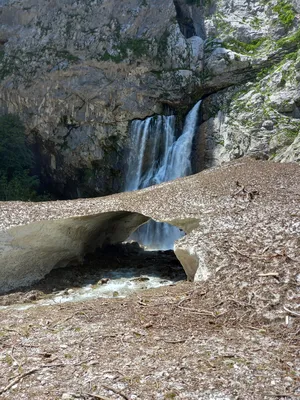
[268, 124]
[31, 296]
[103, 281]
[70, 396]
[140, 279]
[67, 396]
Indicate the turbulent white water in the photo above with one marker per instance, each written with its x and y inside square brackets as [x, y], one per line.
[121, 285]
[122, 282]
[157, 156]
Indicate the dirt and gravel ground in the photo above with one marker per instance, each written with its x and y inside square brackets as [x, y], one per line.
[235, 336]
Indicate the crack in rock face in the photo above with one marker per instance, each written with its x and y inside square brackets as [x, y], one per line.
[184, 19]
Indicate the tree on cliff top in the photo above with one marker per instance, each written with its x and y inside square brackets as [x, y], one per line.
[16, 160]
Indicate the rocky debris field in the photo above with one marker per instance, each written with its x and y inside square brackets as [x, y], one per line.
[208, 340]
[232, 335]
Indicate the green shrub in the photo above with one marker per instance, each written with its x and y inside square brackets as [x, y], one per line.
[138, 47]
[242, 47]
[288, 42]
[285, 13]
[20, 187]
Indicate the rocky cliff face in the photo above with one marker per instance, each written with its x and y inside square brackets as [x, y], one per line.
[260, 116]
[79, 72]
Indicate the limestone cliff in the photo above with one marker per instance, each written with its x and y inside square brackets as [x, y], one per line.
[79, 72]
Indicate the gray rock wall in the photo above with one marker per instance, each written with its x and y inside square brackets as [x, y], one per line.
[78, 73]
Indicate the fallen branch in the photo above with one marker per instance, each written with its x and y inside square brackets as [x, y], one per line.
[116, 392]
[255, 328]
[200, 312]
[17, 379]
[239, 303]
[282, 395]
[70, 317]
[264, 257]
[175, 341]
[189, 296]
[241, 253]
[13, 357]
[293, 313]
[243, 192]
[148, 325]
[32, 371]
[253, 255]
[12, 330]
[141, 303]
[275, 274]
[97, 396]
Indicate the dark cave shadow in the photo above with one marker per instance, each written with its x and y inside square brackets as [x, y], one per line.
[126, 260]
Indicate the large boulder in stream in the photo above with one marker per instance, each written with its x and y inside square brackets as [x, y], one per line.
[244, 213]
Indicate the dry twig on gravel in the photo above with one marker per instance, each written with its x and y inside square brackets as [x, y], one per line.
[20, 377]
[201, 312]
[97, 396]
[282, 395]
[293, 313]
[116, 392]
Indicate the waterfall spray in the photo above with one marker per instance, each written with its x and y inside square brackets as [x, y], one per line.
[155, 157]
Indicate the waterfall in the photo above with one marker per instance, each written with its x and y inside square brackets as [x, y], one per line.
[157, 156]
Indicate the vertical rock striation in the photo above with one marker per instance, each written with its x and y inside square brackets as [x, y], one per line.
[78, 73]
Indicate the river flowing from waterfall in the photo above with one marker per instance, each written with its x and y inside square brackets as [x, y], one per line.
[157, 155]
[114, 272]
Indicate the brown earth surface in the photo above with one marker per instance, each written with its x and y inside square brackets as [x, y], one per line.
[233, 336]
[208, 340]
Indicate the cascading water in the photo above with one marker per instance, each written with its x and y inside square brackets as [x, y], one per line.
[155, 157]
